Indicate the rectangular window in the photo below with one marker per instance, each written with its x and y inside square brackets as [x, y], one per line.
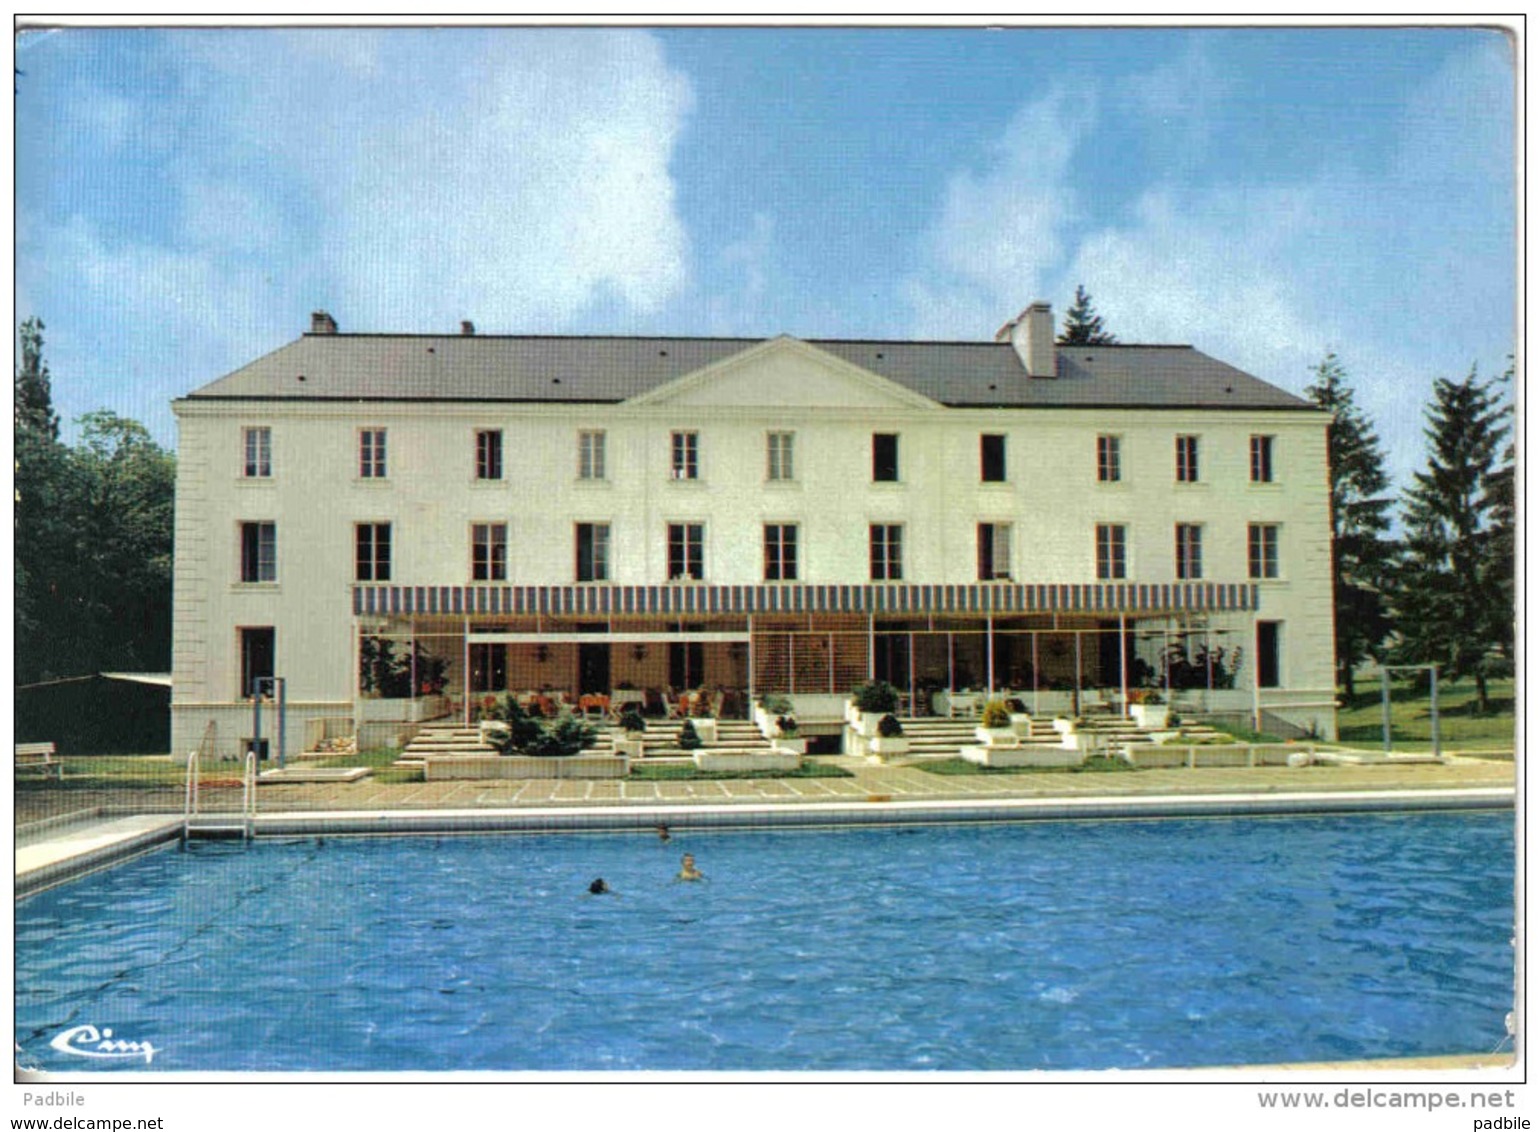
[256, 658]
[593, 552]
[1109, 459]
[885, 457]
[489, 667]
[1187, 459]
[371, 454]
[685, 559]
[259, 552]
[1262, 550]
[371, 552]
[887, 540]
[489, 552]
[1269, 654]
[1189, 552]
[780, 552]
[259, 453]
[994, 551]
[686, 664]
[1261, 459]
[684, 463]
[992, 458]
[778, 456]
[489, 454]
[1111, 553]
[590, 455]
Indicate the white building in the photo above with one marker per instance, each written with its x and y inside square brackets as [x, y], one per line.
[585, 514]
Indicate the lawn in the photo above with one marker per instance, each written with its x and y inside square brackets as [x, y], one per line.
[1361, 723]
[689, 772]
[1096, 764]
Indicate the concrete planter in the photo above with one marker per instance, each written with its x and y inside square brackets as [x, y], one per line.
[1022, 756]
[438, 768]
[789, 743]
[1065, 726]
[883, 747]
[492, 730]
[1150, 717]
[997, 736]
[865, 722]
[747, 760]
[1081, 741]
[706, 729]
[1021, 724]
[630, 747]
[375, 710]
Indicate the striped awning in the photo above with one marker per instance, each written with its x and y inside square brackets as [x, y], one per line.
[982, 598]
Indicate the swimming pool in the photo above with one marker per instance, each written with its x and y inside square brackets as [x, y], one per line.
[1063, 945]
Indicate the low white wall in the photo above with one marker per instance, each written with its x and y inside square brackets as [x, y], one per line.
[445, 767]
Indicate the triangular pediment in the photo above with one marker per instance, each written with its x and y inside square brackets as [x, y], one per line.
[784, 372]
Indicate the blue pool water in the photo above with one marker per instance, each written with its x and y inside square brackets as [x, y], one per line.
[1001, 947]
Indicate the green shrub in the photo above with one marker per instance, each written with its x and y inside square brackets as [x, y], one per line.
[888, 727]
[632, 720]
[996, 715]
[688, 739]
[567, 736]
[876, 696]
[775, 703]
[787, 725]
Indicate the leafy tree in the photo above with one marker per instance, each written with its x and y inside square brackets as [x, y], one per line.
[1082, 325]
[1454, 592]
[1361, 553]
[93, 529]
[126, 484]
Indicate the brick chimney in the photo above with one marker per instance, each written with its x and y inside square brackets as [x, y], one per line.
[1031, 335]
[467, 328]
[322, 323]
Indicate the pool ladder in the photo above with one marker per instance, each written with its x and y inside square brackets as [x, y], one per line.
[246, 829]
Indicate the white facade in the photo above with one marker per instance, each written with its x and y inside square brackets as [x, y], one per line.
[1051, 500]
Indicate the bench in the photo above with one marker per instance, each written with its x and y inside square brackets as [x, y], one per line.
[38, 757]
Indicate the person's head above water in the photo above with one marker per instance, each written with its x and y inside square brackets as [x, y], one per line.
[598, 888]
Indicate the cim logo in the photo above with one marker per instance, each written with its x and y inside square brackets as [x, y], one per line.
[88, 1041]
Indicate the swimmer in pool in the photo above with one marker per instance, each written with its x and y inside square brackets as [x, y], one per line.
[599, 888]
[688, 871]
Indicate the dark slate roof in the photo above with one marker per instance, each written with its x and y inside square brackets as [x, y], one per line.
[410, 367]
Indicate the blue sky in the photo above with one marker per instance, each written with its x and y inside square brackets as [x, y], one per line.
[186, 197]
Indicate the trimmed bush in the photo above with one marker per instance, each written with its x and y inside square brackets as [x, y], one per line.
[632, 721]
[878, 696]
[775, 703]
[888, 727]
[996, 715]
[787, 725]
[688, 739]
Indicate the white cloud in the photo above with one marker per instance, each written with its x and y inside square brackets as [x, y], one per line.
[1393, 269]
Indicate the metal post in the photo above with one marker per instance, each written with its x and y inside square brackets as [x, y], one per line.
[871, 647]
[465, 672]
[1256, 680]
[913, 711]
[413, 646]
[1123, 660]
[989, 650]
[1077, 671]
[951, 672]
[283, 717]
[1385, 704]
[1035, 677]
[1433, 706]
[256, 715]
[751, 664]
[831, 664]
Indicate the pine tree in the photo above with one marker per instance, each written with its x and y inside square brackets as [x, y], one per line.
[34, 394]
[1082, 325]
[1454, 592]
[1360, 518]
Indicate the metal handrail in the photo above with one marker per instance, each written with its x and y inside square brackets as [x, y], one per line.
[190, 798]
[249, 797]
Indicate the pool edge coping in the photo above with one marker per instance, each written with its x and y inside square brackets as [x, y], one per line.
[877, 810]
